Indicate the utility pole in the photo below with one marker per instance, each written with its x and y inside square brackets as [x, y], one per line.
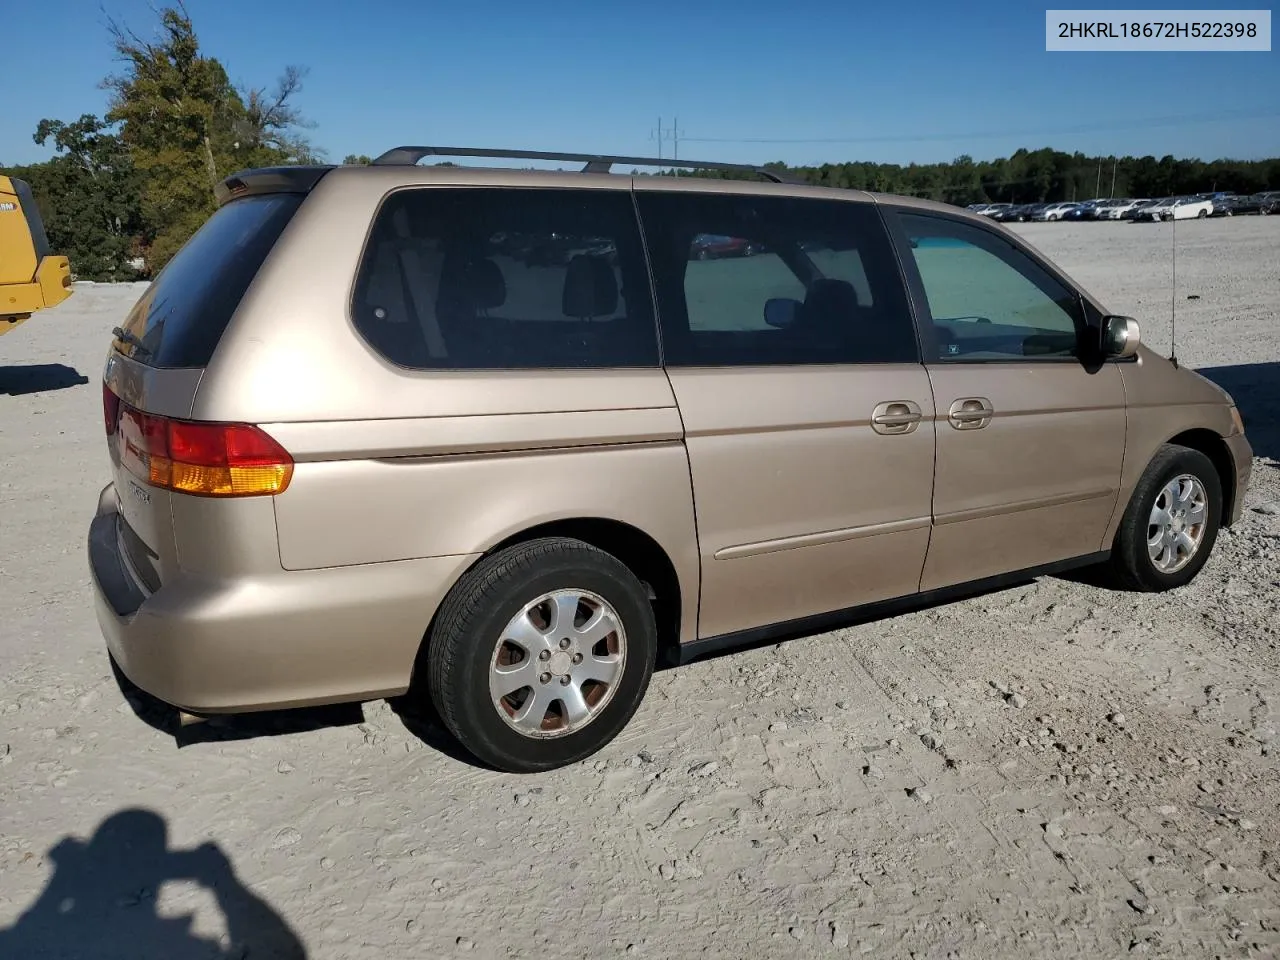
[659, 137]
[675, 143]
[1114, 162]
[1097, 184]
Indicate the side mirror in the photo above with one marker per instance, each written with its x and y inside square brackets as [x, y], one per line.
[1119, 337]
[781, 312]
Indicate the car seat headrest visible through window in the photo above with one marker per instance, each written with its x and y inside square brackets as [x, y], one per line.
[471, 284]
[590, 288]
[829, 303]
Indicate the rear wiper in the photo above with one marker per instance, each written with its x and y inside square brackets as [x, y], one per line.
[132, 339]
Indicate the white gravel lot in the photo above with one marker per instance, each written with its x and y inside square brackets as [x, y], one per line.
[1051, 771]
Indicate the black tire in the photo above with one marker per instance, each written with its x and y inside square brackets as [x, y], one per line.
[474, 615]
[1131, 566]
[1202, 214]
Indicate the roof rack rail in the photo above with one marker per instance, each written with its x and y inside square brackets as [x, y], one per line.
[594, 163]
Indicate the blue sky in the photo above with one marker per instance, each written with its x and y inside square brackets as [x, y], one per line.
[901, 82]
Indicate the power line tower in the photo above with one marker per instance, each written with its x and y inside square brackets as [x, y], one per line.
[671, 134]
[657, 135]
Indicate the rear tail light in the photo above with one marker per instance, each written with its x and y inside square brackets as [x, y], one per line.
[202, 459]
[110, 409]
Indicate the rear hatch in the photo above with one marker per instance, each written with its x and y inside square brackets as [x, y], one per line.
[152, 374]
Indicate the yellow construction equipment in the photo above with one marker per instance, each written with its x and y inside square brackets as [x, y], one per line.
[31, 278]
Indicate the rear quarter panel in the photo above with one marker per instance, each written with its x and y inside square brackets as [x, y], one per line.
[435, 502]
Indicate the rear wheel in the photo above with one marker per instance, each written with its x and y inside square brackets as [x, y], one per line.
[541, 654]
[1170, 526]
[1202, 214]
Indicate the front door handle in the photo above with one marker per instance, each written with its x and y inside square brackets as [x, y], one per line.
[971, 413]
[896, 416]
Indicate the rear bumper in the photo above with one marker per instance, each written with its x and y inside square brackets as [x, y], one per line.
[288, 639]
[1242, 457]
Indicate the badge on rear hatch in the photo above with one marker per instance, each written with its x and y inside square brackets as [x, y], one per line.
[139, 494]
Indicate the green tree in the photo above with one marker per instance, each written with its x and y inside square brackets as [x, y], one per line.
[356, 160]
[187, 127]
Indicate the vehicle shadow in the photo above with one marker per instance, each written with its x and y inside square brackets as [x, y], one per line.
[1255, 387]
[39, 378]
[102, 901]
[415, 712]
[422, 721]
[245, 726]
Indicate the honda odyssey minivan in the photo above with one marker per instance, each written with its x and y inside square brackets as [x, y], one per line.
[501, 441]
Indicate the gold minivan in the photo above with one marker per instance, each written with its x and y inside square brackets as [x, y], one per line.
[503, 440]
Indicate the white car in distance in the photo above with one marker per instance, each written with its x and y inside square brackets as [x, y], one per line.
[1179, 208]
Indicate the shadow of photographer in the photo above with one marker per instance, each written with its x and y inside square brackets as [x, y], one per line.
[102, 901]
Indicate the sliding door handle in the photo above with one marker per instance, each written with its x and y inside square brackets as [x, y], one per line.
[896, 416]
[971, 413]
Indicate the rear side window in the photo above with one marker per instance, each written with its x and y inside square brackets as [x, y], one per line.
[506, 278]
[756, 280]
[185, 311]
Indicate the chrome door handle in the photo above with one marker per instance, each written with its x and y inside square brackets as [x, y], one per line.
[971, 413]
[896, 416]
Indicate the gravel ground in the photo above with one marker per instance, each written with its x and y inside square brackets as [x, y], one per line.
[1054, 770]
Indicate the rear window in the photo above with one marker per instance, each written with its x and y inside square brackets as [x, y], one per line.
[185, 311]
[507, 278]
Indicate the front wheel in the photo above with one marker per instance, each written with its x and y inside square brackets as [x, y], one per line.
[1170, 526]
[541, 654]
[1202, 214]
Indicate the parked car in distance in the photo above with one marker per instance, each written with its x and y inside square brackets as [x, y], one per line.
[1254, 202]
[1225, 205]
[709, 246]
[1052, 211]
[506, 489]
[1082, 211]
[1177, 208]
[1138, 210]
[1115, 209]
[1269, 204]
[1015, 213]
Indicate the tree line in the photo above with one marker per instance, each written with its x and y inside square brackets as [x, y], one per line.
[123, 192]
[1036, 176]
